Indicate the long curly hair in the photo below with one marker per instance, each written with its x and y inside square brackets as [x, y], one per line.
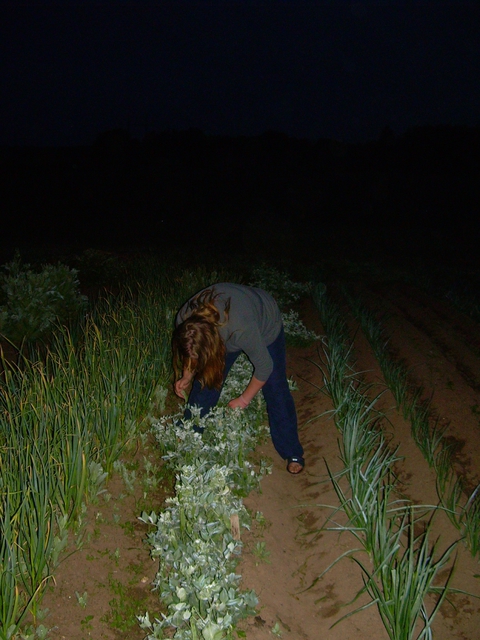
[196, 342]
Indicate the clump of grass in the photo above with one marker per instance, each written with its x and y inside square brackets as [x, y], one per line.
[443, 468]
[400, 584]
[371, 515]
[428, 438]
[338, 375]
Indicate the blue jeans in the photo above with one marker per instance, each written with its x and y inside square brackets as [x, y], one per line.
[282, 415]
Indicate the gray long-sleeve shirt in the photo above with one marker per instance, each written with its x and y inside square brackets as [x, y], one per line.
[254, 322]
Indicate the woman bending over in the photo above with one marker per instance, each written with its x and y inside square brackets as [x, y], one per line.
[211, 330]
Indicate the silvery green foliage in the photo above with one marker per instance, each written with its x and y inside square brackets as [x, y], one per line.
[295, 331]
[193, 535]
[235, 384]
[237, 380]
[279, 285]
[158, 399]
[197, 579]
[228, 437]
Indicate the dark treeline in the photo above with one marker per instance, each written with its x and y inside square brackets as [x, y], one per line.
[410, 194]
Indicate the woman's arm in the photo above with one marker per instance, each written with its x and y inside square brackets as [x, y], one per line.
[247, 396]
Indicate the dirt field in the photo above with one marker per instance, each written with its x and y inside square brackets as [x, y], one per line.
[441, 347]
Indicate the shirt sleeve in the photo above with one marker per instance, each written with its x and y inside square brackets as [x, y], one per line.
[252, 344]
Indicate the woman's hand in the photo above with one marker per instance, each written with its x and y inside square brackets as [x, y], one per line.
[180, 387]
[238, 403]
[247, 396]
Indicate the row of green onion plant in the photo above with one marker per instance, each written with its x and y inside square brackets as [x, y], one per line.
[462, 509]
[401, 575]
[67, 412]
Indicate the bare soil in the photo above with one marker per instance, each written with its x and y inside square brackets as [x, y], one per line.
[441, 347]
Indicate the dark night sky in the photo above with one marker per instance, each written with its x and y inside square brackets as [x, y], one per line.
[338, 69]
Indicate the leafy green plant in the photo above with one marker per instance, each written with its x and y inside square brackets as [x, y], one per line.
[279, 284]
[82, 598]
[194, 536]
[296, 333]
[99, 268]
[34, 302]
[124, 605]
[261, 552]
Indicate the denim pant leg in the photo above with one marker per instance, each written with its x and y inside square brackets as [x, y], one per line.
[207, 398]
[282, 415]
